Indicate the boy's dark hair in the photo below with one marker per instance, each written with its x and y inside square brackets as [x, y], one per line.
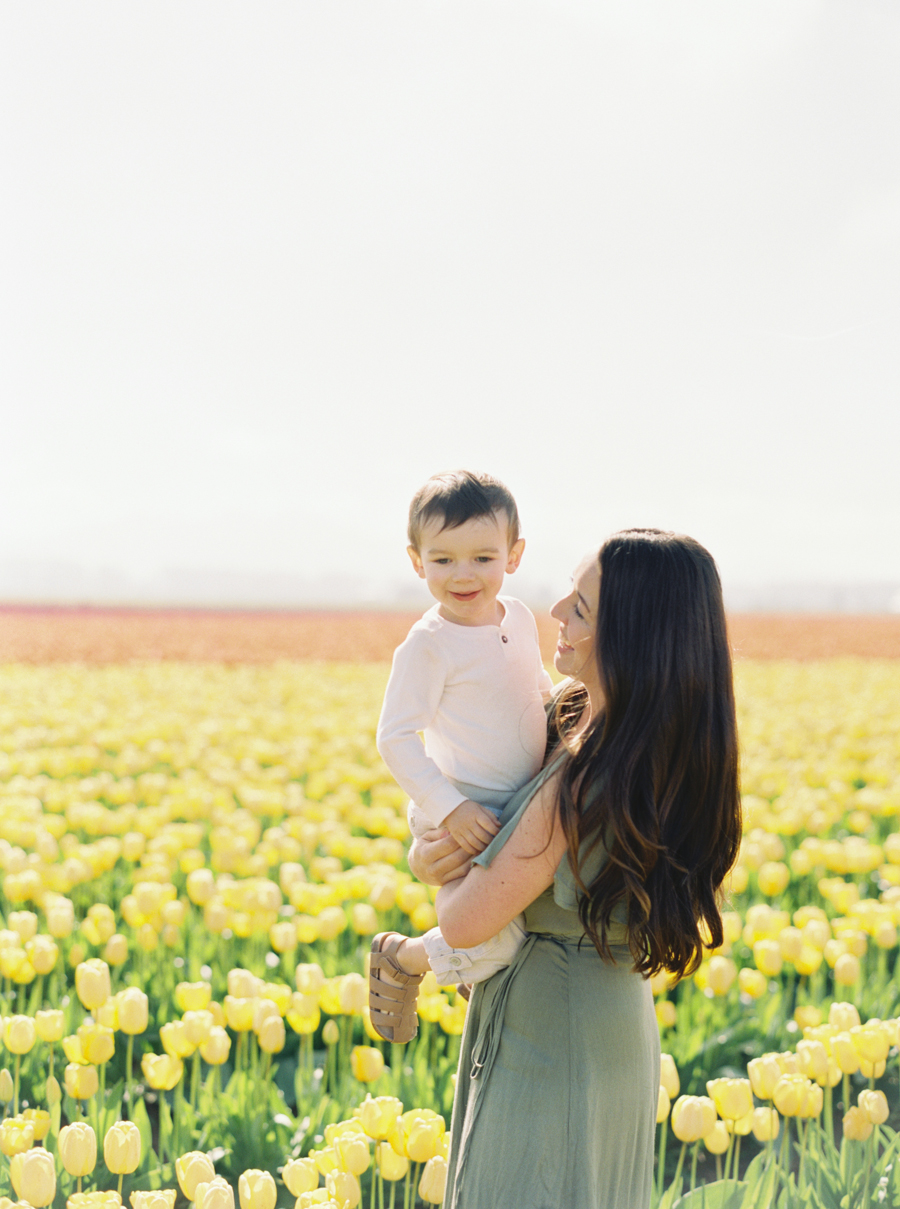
[457, 496]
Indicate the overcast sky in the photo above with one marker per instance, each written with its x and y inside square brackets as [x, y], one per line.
[265, 267]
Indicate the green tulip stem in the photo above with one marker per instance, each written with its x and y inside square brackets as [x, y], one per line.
[829, 1114]
[267, 1069]
[737, 1157]
[129, 1057]
[78, 1186]
[101, 1101]
[803, 1129]
[846, 1091]
[195, 1079]
[51, 1059]
[694, 1158]
[870, 1166]
[372, 1191]
[718, 1167]
[785, 1144]
[684, 1146]
[393, 1193]
[661, 1162]
[406, 1187]
[121, 1178]
[16, 1086]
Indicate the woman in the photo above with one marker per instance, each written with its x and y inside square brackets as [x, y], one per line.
[616, 853]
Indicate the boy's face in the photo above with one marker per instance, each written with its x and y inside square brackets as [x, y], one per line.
[464, 567]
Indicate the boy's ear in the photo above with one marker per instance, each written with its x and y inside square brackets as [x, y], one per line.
[416, 560]
[515, 555]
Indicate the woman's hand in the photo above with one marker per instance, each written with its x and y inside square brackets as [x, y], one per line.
[436, 858]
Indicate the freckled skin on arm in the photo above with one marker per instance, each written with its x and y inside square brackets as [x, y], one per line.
[474, 908]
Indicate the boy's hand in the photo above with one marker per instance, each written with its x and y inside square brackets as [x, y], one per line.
[435, 858]
[472, 826]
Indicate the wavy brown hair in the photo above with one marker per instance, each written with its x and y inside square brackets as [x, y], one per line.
[655, 777]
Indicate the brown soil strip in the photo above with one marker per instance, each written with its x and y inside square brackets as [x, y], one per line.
[93, 635]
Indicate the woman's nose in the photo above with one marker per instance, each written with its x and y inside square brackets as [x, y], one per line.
[555, 612]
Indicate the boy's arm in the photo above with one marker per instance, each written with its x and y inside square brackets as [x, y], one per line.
[411, 702]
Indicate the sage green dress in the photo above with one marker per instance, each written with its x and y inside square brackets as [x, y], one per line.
[558, 1078]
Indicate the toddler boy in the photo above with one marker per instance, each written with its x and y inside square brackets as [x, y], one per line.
[469, 677]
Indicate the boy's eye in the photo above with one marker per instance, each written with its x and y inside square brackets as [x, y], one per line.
[485, 558]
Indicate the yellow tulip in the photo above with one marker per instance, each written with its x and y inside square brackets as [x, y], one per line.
[19, 1034]
[733, 1098]
[92, 985]
[857, 1126]
[33, 1176]
[874, 1104]
[161, 1071]
[122, 1148]
[309, 978]
[871, 1041]
[191, 1169]
[844, 1053]
[663, 1104]
[324, 1159]
[353, 993]
[158, 1198]
[217, 1193]
[766, 1124]
[40, 1122]
[7, 1090]
[693, 1117]
[843, 1016]
[797, 1096]
[807, 1015]
[423, 1137]
[366, 1062]
[665, 1013]
[98, 1044]
[846, 970]
[175, 1040]
[115, 951]
[256, 1190]
[433, 1183]
[193, 996]
[271, 1035]
[330, 1032]
[133, 1010]
[25, 923]
[391, 1166]
[752, 983]
[718, 1139]
[43, 953]
[813, 1059]
[217, 1047]
[764, 1073]
[721, 975]
[242, 984]
[300, 1175]
[49, 1024]
[16, 1135]
[352, 1153]
[378, 1116]
[343, 1188]
[77, 1146]
[239, 1012]
[81, 1081]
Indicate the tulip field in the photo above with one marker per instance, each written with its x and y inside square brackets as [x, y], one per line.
[194, 857]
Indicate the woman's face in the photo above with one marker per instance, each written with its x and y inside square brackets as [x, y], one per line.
[577, 617]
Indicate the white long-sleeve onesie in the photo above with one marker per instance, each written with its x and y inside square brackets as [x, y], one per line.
[477, 695]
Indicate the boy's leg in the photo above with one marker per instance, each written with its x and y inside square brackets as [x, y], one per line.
[393, 985]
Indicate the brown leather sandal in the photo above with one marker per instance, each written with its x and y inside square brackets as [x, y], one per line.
[392, 1009]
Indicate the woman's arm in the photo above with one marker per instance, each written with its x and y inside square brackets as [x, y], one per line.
[475, 907]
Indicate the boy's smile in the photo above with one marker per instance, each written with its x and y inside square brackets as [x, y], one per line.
[464, 567]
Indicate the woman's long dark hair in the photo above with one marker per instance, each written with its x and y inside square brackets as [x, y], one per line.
[655, 777]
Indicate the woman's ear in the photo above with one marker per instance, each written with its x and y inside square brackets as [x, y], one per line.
[515, 555]
[416, 560]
